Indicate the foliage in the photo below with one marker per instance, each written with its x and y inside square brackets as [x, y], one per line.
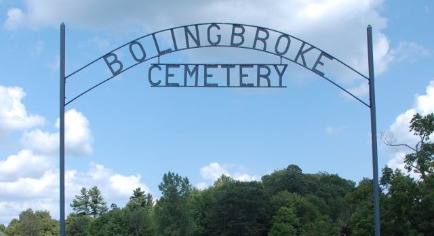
[285, 202]
[239, 208]
[326, 205]
[77, 225]
[422, 160]
[406, 204]
[81, 203]
[172, 211]
[360, 202]
[140, 200]
[139, 213]
[284, 222]
[134, 219]
[89, 202]
[33, 223]
[291, 179]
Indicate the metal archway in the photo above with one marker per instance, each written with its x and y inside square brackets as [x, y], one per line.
[205, 35]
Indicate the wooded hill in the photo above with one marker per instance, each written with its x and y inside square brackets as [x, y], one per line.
[285, 202]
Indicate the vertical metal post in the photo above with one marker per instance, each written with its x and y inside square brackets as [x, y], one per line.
[62, 131]
[373, 134]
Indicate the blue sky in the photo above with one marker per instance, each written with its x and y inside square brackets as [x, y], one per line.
[125, 134]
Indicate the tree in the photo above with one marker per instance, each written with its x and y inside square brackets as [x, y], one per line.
[33, 223]
[112, 223]
[78, 225]
[290, 179]
[421, 161]
[329, 194]
[139, 222]
[13, 227]
[310, 220]
[284, 222]
[89, 202]
[139, 213]
[360, 203]
[424, 215]
[97, 204]
[410, 207]
[81, 203]
[241, 208]
[400, 204]
[29, 222]
[140, 199]
[172, 210]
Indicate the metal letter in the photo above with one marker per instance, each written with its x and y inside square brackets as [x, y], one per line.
[262, 39]
[206, 76]
[228, 73]
[170, 75]
[239, 34]
[191, 73]
[114, 61]
[158, 47]
[174, 39]
[193, 37]
[280, 73]
[242, 75]
[153, 84]
[318, 61]
[138, 59]
[265, 76]
[219, 37]
[288, 42]
[301, 53]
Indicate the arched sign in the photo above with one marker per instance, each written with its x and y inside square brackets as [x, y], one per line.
[152, 47]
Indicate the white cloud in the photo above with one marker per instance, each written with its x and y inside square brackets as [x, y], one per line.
[332, 130]
[408, 51]
[37, 48]
[78, 137]
[397, 162]
[41, 192]
[424, 105]
[54, 64]
[100, 43]
[30, 178]
[13, 114]
[36, 192]
[243, 176]
[115, 187]
[201, 185]
[30, 188]
[358, 90]
[24, 164]
[337, 26]
[41, 141]
[124, 185]
[14, 19]
[214, 170]
[400, 128]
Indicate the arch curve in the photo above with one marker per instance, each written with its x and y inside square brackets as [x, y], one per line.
[224, 35]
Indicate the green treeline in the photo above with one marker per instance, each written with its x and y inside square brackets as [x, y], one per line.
[285, 202]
